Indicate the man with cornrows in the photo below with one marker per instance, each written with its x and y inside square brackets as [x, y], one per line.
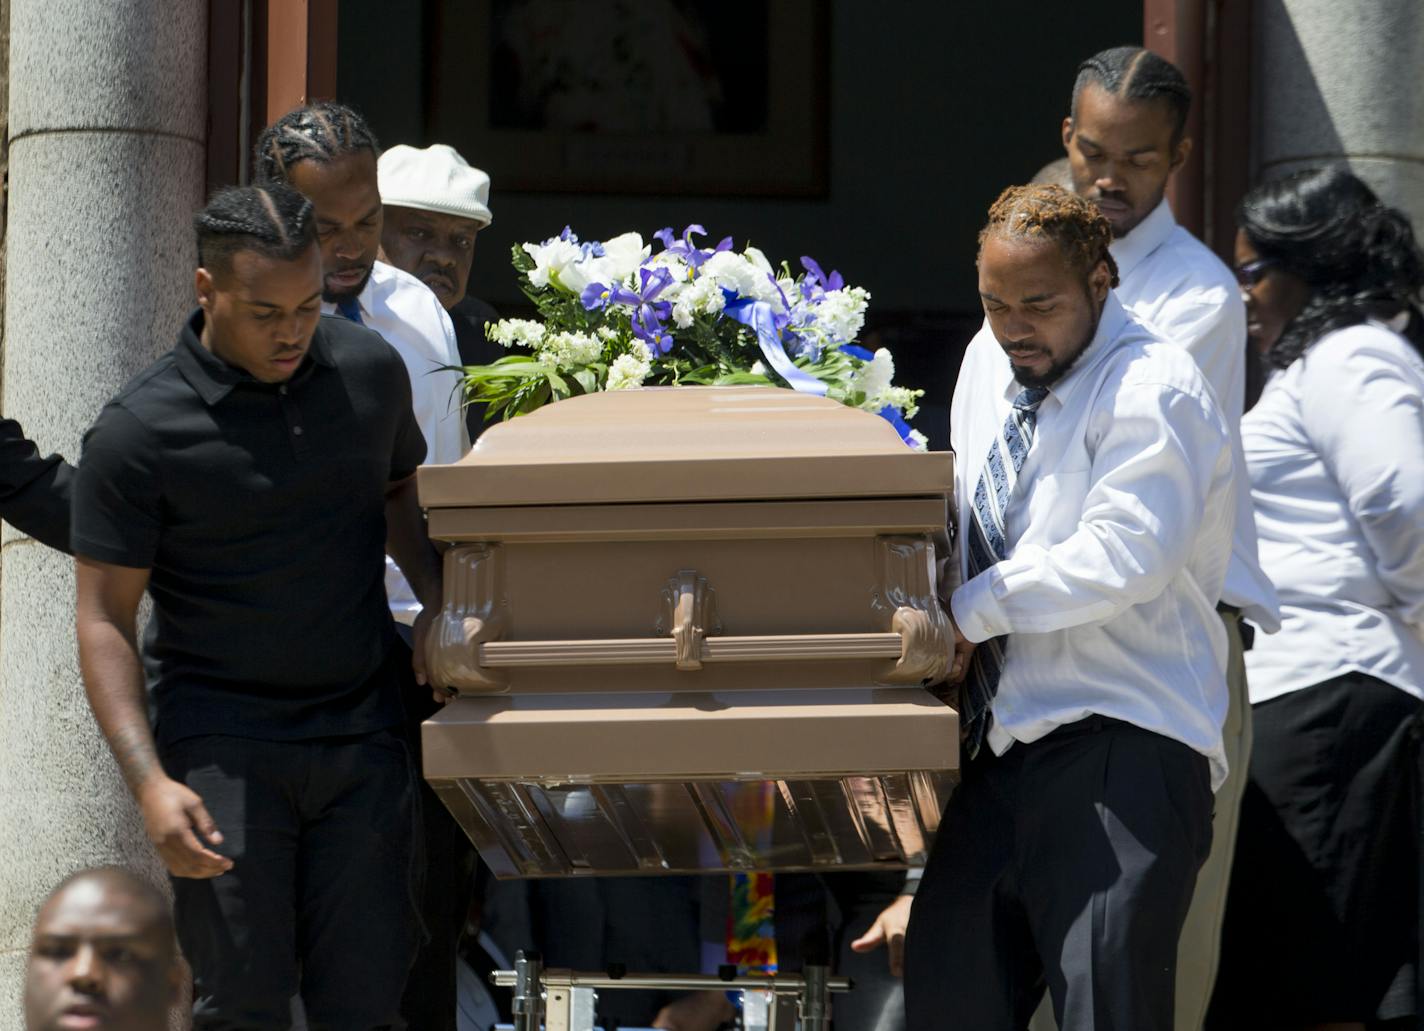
[1095, 486]
[328, 152]
[251, 481]
[1125, 136]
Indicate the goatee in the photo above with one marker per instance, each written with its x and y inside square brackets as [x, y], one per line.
[1057, 370]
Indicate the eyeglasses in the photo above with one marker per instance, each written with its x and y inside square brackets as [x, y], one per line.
[1251, 273]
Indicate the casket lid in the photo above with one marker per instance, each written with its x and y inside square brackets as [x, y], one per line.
[686, 444]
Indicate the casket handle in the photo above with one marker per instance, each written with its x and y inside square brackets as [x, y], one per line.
[638, 651]
[464, 649]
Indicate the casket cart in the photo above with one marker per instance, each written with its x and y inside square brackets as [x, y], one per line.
[691, 631]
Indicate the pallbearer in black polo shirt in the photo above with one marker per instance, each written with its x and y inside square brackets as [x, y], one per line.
[34, 491]
[252, 480]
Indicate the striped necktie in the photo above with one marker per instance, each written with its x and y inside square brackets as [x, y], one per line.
[350, 308]
[985, 544]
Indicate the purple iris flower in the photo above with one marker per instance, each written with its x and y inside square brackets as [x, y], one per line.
[817, 283]
[648, 312]
[596, 295]
[685, 249]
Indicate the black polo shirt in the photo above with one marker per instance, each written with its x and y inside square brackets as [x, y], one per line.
[34, 491]
[260, 511]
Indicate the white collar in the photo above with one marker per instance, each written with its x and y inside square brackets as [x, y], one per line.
[1149, 234]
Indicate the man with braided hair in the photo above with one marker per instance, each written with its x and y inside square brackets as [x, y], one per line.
[251, 481]
[1094, 483]
[327, 151]
[1125, 136]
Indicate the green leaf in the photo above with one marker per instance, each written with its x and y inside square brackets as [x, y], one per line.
[738, 378]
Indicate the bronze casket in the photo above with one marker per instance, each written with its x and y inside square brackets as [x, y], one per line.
[691, 630]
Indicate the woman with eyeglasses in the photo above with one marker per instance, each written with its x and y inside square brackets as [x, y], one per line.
[1322, 922]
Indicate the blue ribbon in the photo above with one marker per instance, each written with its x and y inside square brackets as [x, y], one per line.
[889, 413]
[892, 415]
[761, 318]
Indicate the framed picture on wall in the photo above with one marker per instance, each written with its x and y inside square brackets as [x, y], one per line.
[634, 96]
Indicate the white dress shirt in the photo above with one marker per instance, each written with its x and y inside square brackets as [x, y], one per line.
[1335, 450]
[1176, 286]
[1118, 534]
[404, 310]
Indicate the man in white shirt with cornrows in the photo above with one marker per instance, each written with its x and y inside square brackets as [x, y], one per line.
[1125, 136]
[328, 152]
[1095, 486]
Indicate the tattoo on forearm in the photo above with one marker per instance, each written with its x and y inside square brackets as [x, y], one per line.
[133, 748]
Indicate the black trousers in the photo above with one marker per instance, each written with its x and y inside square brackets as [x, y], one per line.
[447, 886]
[1322, 920]
[1070, 863]
[320, 900]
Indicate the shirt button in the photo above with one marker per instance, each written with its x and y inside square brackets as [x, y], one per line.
[282, 389]
[297, 430]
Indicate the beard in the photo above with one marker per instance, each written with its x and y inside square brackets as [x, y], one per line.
[349, 294]
[1060, 368]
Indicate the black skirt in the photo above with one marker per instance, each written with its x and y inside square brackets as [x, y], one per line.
[1322, 918]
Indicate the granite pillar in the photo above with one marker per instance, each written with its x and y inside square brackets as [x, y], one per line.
[1338, 82]
[107, 127]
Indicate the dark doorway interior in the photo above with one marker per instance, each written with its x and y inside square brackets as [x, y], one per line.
[870, 136]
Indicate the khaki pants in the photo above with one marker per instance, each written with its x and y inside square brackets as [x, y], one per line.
[1200, 944]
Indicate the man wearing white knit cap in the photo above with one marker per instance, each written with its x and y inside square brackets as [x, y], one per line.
[435, 205]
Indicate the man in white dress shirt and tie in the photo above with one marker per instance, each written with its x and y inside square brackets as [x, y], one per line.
[1096, 500]
[328, 152]
[1125, 136]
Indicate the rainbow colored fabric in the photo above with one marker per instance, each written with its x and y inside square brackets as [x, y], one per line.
[751, 918]
[751, 926]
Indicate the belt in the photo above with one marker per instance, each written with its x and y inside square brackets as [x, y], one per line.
[1247, 630]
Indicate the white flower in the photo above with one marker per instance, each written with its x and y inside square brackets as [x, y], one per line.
[620, 259]
[516, 333]
[875, 376]
[743, 275]
[682, 272]
[919, 441]
[571, 267]
[757, 258]
[840, 314]
[628, 371]
[701, 297]
[790, 289]
[607, 334]
[903, 398]
[569, 350]
[551, 259]
[757, 369]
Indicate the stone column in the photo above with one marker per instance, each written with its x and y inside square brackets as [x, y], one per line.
[107, 165]
[1339, 82]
